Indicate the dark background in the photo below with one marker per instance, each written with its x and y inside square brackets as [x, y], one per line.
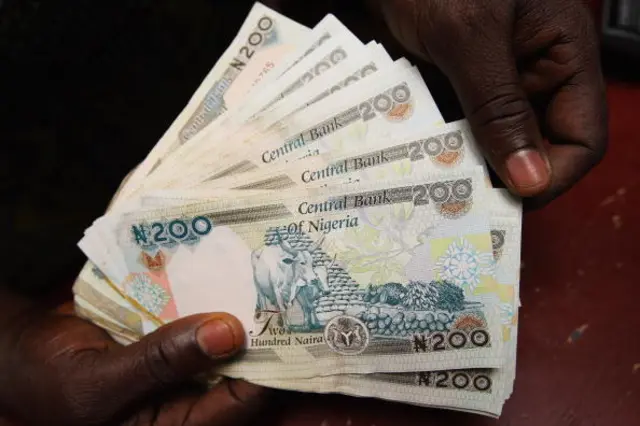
[88, 87]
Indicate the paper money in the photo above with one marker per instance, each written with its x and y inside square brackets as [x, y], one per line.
[410, 226]
[265, 38]
[386, 104]
[213, 142]
[446, 147]
[334, 52]
[479, 390]
[91, 286]
[325, 32]
[314, 192]
[505, 239]
[327, 56]
[86, 310]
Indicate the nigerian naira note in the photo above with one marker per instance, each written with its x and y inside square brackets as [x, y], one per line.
[304, 270]
[266, 37]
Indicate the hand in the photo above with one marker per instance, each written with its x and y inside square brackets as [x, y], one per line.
[61, 370]
[524, 71]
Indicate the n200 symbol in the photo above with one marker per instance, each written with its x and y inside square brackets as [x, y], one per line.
[179, 229]
[458, 339]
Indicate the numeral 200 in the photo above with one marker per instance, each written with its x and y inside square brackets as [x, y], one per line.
[434, 146]
[179, 229]
[384, 102]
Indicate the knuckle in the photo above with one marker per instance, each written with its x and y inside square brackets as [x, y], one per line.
[157, 363]
[501, 117]
[505, 106]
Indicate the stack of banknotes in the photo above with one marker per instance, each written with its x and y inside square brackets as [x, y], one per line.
[311, 188]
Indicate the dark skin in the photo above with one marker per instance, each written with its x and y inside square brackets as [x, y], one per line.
[71, 372]
[528, 77]
[527, 74]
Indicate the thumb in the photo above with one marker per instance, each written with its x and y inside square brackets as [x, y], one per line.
[501, 117]
[171, 355]
[482, 69]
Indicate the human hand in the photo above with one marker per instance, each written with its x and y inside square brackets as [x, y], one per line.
[528, 77]
[61, 370]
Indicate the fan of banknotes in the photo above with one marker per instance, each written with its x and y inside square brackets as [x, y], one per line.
[311, 188]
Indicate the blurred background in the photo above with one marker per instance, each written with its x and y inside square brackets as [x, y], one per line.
[87, 88]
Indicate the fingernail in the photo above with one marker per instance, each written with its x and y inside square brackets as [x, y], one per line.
[528, 171]
[217, 338]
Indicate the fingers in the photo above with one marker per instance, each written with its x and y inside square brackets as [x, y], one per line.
[576, 126]
[506, 129]
[170, 356]
[487, 82]
[576, 122]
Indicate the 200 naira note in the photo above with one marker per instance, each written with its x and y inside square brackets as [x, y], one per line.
[441, 148]
[284, 69]
[277, 263]
[390, 103]
[477, 390]
[266, 37]
[334, 55]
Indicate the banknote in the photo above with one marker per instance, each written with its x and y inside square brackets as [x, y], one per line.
[214, 141]
[482, 391]
[400, 238]
[92, 287]
[387, 104]
[87, 310]
[335, 51]
[479, 390]
[441, 148]
[311, 188]
[505, 242]
[326, 31]
[265, 38]
[325, 57]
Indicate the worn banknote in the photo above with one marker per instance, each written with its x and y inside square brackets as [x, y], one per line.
[478, 390]
[264, 40]
[401, 236]
[386, 104]
[295, 63]
[93, 288]
[481, 391]
[440, 148]
[218, 144]
[339, 50]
